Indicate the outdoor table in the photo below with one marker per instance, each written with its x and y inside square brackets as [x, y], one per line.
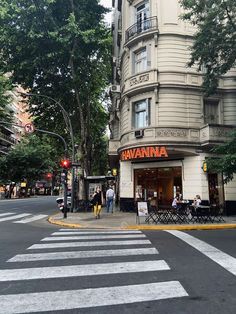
[182, 212]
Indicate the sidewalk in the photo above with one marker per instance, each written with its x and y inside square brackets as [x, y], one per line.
[127, 220]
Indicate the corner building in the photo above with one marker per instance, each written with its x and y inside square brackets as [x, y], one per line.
[158, 106]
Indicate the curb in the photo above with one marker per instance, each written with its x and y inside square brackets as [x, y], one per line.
[145, 227]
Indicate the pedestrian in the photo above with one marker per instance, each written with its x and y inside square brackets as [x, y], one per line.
[196, 201]
[97, 202]
[176, 204]
[109, 199]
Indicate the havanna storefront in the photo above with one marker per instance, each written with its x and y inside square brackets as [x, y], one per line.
[156, 173]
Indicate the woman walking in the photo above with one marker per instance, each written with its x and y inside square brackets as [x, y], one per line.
[97, 202]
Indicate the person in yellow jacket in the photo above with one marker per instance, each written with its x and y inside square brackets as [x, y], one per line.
[97, 202]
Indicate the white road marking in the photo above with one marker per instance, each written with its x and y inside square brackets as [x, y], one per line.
[25, 221]
[93, 237]
[87, 244]
[81, 270]
[89, 298]
[81, 254]
[226, 261]
[95, 232]
[14, 217]
[6, 214]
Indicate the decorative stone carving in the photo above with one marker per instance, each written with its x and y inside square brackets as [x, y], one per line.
[139, 79]
[220, 132]
[171, 133]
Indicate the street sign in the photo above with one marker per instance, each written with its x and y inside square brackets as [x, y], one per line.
[29, 128]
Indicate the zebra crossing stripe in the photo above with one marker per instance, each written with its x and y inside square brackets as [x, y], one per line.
[81, 270]
[225, 260]
[81, 254]
[6, 214]
[26, 220]
[87, 244]
[93, 237]
[14, 217]
[95, 232]
[89, 298]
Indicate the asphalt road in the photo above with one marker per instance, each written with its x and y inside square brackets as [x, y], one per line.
[43, 270]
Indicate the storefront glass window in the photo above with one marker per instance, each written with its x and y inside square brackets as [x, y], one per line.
[158, 185]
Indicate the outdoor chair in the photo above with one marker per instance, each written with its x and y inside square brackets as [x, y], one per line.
[217, 212]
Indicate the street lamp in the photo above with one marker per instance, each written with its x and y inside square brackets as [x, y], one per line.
[70, 129]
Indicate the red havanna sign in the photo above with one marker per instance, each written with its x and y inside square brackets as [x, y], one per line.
[143, 152]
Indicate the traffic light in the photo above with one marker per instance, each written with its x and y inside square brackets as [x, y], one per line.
[65, 163]
[49, 175]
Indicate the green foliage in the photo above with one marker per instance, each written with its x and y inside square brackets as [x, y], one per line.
[226, 159]
[5, 98]
[60, 49]
[215, 40]
[29, 159]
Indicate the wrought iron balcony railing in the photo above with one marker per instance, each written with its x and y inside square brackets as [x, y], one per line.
[141, 27]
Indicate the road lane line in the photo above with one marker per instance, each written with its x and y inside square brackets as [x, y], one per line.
[94, 237]
[81, 254]
[90, 298]
[226, 261]
[95, 232]
[6, 214]
[25, 221]
[87, 244]
[14, 217]
[81, 270]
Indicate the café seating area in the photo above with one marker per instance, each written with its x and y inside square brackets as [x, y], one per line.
[185, 214]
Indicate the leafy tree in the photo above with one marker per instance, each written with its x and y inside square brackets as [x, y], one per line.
[226, 159]
[60, 49]
[29, 160]
[215, 40]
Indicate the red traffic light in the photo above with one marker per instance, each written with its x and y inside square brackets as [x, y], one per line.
[65, 163]
[49, 175]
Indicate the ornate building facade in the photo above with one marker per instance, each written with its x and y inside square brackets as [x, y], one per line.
[162, 127]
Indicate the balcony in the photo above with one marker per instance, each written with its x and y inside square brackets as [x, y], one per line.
[215, 134]
[141, 27]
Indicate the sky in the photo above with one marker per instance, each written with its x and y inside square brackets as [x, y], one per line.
[107, 4]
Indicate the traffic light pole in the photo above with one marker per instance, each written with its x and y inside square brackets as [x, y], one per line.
[65, 194]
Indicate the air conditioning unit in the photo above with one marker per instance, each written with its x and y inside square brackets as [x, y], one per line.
[139, 133]
[115, 88]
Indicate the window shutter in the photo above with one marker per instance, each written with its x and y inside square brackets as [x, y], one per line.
[133, 63]
[149, 110]
[149, 57]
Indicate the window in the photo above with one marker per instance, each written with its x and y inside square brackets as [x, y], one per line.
[140, 61]
[142, 14]
[141, 113]
[211, 111]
